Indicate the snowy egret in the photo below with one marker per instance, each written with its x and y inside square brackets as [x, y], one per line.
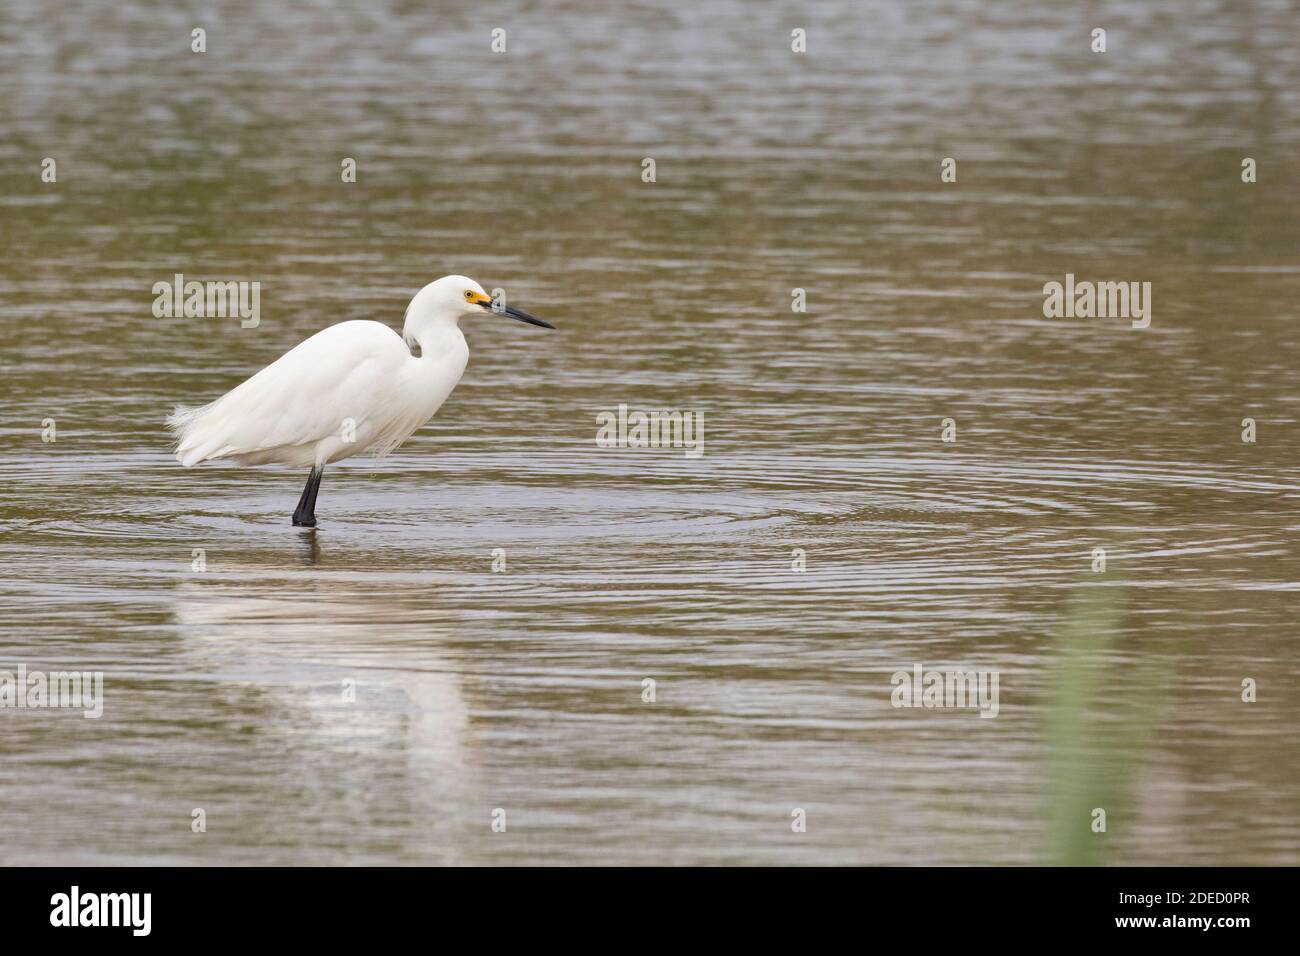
[349, 388]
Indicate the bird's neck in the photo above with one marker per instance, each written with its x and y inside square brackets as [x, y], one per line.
[438, 338]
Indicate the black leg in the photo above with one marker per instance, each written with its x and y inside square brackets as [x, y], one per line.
[311, 502]
[304, 516]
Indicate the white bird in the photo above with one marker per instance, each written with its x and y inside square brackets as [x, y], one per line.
[352, 387]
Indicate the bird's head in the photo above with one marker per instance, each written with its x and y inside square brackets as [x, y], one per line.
[458, 296]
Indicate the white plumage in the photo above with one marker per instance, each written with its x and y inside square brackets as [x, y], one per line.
[352, 387]
[352, 380]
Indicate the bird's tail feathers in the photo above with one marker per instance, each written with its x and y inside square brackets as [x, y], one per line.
[182, 422]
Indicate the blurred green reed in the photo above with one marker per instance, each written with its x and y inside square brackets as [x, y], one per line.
[1101, 714]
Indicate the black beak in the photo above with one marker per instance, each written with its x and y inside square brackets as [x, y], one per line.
[519, 314]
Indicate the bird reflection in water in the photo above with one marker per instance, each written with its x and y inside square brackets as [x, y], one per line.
[309, 547]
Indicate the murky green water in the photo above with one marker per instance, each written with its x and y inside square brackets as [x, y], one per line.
[523, 689]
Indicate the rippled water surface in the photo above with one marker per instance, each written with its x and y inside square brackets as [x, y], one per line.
[522, 689]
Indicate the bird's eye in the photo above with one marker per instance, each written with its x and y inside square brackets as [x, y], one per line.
[469, 294]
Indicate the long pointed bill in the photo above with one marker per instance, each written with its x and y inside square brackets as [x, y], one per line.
[519, 314]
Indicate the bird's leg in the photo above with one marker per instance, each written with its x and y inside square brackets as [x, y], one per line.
[319, 472]
[304, 516]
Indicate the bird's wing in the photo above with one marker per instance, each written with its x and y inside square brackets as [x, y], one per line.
[346, 371]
